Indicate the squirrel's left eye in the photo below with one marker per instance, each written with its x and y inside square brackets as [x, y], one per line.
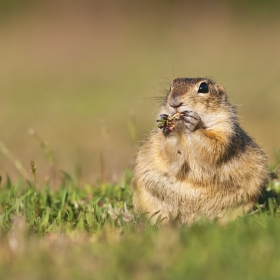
[203, 88]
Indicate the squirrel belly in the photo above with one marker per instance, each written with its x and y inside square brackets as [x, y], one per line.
[201, 166]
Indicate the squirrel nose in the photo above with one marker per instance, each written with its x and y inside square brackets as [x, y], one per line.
[175, 103]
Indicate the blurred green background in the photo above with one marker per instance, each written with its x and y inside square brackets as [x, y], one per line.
[84, 74]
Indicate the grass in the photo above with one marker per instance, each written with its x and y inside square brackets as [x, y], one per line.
[91, 232]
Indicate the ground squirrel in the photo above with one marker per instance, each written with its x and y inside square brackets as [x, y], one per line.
[199, 163]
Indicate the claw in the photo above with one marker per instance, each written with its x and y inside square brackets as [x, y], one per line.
[163, 116]
[185, 119]
[185, 113]
[190, 114]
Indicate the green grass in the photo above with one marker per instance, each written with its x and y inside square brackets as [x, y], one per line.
[91, 232]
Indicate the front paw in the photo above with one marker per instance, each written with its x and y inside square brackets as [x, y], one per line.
[168, 122]
[191, 120]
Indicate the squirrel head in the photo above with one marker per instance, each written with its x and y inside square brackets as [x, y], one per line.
[196, 94]
[203, 96]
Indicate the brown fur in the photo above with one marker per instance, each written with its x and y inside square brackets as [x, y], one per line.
[209, 169]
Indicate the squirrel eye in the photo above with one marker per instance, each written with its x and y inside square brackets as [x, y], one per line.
[203, 88]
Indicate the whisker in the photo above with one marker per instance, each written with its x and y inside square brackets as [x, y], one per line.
[170, 81]
[157, 100]
[163, 90]
[162, 83]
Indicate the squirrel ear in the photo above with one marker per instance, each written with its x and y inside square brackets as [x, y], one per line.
[222, 92]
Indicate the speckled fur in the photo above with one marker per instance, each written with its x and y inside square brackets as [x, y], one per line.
[214, 170]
